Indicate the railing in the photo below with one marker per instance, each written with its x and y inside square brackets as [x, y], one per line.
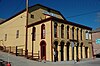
[18, 51]
[34, 57]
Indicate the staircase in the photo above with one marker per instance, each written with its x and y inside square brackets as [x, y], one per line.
[35, 56]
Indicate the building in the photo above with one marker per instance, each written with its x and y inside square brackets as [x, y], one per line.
[96, 41]
[48, 32]
[1, 20]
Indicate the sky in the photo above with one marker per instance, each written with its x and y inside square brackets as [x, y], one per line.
[85, 12]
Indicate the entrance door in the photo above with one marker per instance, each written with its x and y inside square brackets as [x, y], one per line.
[77, 51]
[86, 52]
[68, 44]
[62, 51]
[43, 49]
[56, 50]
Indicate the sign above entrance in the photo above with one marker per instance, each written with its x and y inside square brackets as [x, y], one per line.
[97, 41]
[49, 13]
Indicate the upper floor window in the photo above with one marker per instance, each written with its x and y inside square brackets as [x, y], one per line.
[87, 35]
[67, 32]
[55, 30]
[62, 31]
[42, 31]
[33, 33]
[77, 33]
[72, 32]
[32, 16]
[81, 34]
[90, 35]
[5, 37]
[17, 34]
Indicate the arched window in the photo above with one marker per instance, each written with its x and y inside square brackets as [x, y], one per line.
[87, 35]
[72, 32]
[77, 33]
[42, 31]
[81, 34]
[62, 31]
[67, 32]
[55, 30]
[33, 33]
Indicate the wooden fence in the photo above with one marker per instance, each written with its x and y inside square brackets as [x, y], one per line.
[18, 51]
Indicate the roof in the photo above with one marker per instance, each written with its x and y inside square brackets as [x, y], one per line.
[62, 21]
[96, 30]
[37, 6]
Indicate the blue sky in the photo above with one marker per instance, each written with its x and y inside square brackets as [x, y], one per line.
[85, 12]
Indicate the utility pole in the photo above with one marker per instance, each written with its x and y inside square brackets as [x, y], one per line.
[26, 38]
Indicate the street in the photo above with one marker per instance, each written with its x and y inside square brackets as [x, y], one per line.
[22, 61]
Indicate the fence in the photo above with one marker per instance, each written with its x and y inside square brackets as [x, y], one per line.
[34, 56]
[19, 51]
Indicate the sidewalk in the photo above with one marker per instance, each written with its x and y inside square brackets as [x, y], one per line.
[22, 61]
[88, 61]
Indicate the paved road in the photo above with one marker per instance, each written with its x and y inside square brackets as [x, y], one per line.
[21, 61]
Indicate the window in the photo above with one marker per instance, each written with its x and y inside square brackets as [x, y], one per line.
[49, 10]
[5, 37]
[17, 34]
[90, 35]
[42, 31]
[55, 30]
[77, 33]
[67, 32]
[87, 35]
[33, 33]
[81, 34]
[73, 33]
[62, 31]
[32, 16]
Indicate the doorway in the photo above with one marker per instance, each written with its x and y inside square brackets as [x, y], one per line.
[62, 51]
[86, 52]
[43, 49]
[56, 51]
[68, 44]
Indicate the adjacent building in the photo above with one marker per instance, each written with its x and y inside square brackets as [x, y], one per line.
[1, 20]
[48, 32]
[96, 42]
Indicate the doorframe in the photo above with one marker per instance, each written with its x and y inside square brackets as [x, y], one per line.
[42, 43]
[62, 50]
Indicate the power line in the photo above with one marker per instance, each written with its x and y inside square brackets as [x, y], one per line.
[83, 14]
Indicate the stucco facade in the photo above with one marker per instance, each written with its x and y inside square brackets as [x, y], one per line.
[48, 32]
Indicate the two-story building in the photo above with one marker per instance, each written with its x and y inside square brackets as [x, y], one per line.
[48, 32]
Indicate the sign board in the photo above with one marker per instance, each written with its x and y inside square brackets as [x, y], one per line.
[49, 13]
[97, 41]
